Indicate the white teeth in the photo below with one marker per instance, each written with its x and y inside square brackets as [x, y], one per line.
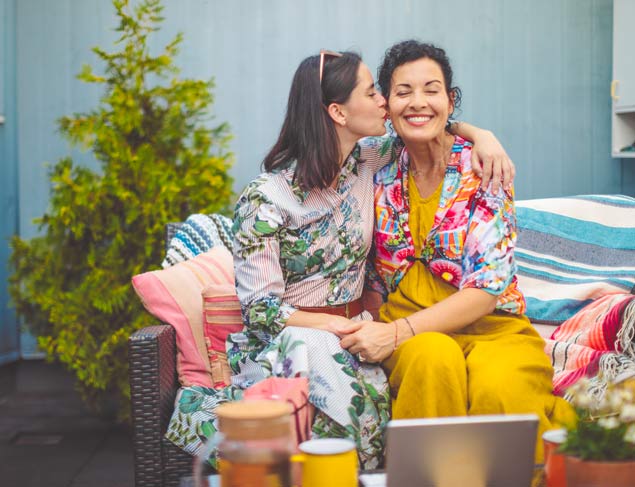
[419, 119]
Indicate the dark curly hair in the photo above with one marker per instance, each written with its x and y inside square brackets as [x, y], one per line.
[412, 50]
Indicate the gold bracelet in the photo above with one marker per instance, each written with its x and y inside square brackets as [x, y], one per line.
[410, 326]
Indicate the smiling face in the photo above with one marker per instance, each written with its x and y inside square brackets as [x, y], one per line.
[419, 103]
[365, 110]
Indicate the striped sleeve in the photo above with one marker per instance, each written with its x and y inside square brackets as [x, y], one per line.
[260, 281]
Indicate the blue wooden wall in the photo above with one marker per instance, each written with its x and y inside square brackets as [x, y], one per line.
[536, 73]
[9, 337]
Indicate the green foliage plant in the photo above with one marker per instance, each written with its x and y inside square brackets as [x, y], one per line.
[605, 430]
[159, 161]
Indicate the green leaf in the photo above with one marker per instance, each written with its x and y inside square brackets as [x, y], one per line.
[340, 358]
[385, 146]
[189, 402]
[300, 246]
[358, 404]
[208, 429]
[372, 392]
[349, 371]
[316, 259]
[297, 264]
[357, 388]
[263, 227]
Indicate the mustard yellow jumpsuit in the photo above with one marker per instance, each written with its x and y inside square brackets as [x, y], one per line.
[494, 365]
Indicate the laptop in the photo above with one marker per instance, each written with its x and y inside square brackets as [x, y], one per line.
[466, 451]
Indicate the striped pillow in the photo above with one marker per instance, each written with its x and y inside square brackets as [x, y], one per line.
[573, 250]
[198, 234]
[173, 295]
[221, 316]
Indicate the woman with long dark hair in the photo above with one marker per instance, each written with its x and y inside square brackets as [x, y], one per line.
[302, 234]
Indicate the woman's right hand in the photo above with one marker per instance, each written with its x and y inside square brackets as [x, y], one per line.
[340, 326]
[375, 343]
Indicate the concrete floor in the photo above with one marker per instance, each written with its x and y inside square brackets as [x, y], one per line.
[49, 439]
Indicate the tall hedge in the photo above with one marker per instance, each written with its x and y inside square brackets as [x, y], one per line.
[159, 160]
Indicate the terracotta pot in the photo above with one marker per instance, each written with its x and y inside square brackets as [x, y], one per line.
[599, 474]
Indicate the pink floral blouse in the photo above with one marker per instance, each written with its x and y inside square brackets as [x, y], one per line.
[471, 243]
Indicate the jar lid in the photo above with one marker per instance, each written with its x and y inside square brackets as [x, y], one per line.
[255, 419]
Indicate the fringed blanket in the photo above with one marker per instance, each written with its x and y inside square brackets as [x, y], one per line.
[598, 342]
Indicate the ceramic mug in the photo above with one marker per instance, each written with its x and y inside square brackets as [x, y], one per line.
[328, 461]
[555, 472]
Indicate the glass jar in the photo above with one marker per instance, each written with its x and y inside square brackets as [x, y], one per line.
[257, 443]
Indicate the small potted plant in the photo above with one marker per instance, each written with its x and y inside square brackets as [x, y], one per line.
[600, 448]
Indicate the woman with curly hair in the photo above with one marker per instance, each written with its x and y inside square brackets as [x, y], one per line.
[453, 337]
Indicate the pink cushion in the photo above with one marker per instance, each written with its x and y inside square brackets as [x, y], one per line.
[173, 295]
[221, 316]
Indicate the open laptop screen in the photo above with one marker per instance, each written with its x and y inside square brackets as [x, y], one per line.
[466, 451]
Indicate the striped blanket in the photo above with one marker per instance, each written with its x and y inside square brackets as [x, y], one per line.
[576, 266]
[598, 342]
[571, 251]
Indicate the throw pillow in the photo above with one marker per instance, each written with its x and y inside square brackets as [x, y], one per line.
[173, 295]
[221, 316]
[573, 250]
[198, 234]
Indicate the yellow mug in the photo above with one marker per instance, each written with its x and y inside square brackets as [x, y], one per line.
[328, 462]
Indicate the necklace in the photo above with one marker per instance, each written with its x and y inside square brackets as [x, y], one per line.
[440, 164]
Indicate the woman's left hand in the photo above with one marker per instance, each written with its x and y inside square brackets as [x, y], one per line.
[374, 342]
[491, 162]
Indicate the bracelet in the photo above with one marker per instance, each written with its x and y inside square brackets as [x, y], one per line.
[410, 325]
[395, 345]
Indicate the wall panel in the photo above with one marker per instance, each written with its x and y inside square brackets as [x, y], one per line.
[536, 73]
[9, 334]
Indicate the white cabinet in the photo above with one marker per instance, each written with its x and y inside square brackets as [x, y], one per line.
[623, 84]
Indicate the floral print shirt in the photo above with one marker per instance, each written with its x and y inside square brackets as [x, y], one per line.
[310, 245]
[295, 248]
[471, 243]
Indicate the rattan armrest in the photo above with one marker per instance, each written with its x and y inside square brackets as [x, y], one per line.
[153, 387]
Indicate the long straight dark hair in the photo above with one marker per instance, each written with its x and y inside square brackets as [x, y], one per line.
[308, 133]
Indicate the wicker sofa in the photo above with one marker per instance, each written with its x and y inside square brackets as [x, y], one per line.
[153, 388]
[152, 350]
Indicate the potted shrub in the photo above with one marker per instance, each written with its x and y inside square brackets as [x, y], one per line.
[160, 158]
[600, 448]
